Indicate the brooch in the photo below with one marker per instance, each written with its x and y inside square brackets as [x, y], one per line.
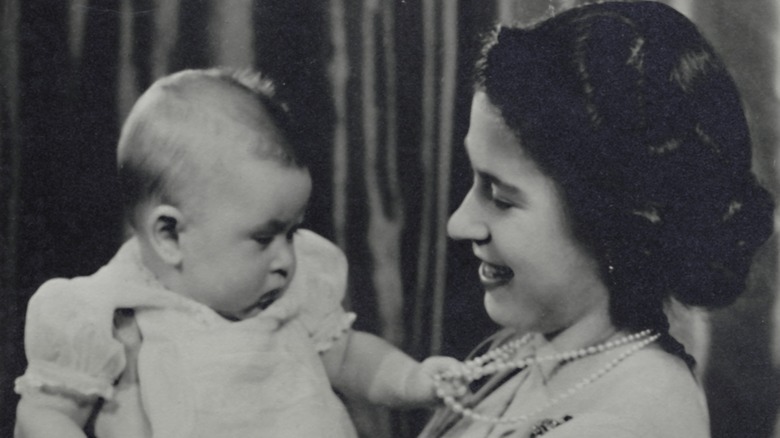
[546, 425]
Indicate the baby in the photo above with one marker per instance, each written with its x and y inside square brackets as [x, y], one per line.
[201, 325]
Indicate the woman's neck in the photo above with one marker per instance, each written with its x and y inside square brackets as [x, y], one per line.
[590, 330]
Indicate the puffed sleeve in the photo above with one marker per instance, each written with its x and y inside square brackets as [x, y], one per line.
[321, 282]
[69, 341]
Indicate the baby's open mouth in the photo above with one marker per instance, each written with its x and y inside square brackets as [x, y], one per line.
[262, 303]
[268, 298]
[493, 275]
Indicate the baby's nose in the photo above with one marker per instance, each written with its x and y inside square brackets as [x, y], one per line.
[284, 261]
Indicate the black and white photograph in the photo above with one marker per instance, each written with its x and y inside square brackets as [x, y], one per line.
[389, 218]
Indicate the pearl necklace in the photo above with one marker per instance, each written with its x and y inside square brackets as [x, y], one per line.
[495, 361]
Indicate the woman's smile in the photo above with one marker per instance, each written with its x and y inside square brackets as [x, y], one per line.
[492, 275]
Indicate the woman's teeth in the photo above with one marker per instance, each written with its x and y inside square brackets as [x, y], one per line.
[491, 274]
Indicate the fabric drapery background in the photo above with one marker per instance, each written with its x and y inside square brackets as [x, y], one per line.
[384, 89]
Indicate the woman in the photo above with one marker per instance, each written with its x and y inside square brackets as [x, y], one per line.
[611, 163]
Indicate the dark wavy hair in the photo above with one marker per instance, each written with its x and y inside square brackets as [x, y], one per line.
[629, 109]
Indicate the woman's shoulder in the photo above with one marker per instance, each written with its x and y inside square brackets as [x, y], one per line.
[652, 393]
[652, 372]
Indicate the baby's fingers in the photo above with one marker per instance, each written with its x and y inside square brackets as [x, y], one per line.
[442, 365]
[446, 372]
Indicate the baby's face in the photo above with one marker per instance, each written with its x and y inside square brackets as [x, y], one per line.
[237, 235]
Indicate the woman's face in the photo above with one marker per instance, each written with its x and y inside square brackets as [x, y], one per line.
[536, 276]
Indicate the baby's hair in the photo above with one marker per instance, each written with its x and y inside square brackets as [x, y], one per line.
[160, 141]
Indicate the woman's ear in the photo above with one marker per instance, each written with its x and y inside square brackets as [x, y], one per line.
[163, 224]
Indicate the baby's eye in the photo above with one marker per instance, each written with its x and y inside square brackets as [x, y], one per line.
[264, 240]
[292, 231]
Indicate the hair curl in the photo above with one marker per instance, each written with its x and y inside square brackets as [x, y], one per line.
[629, 109]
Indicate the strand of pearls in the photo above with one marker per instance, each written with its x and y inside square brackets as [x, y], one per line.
[494, 362]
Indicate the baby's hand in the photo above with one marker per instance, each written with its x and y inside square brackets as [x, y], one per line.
[421, 384]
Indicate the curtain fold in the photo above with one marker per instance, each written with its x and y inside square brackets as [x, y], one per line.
[10, 143]
[10, 199]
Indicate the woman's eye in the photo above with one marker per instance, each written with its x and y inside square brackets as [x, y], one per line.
[497, 201]
[488, 192]
[501, 205]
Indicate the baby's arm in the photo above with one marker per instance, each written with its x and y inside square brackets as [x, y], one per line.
[358, 363]
[364, 365]
[43, 415]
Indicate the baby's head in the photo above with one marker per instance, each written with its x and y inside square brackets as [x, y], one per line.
[214, 188]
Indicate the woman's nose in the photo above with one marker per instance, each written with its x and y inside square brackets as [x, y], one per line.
[466, 223]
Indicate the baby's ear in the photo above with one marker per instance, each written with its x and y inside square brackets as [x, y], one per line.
[162, 225]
